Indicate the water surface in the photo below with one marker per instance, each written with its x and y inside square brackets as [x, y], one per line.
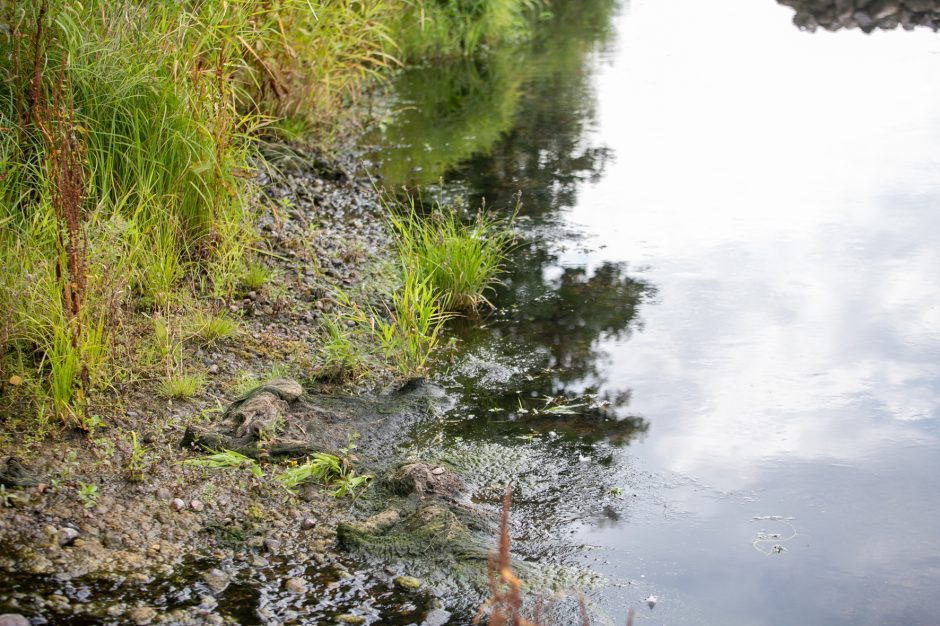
[730, 278]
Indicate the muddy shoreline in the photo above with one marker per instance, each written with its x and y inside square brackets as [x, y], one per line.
[100, 532]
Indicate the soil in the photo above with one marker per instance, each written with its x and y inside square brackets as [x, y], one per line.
[85, 505]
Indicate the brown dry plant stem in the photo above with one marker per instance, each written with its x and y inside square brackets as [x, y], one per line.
[505, 601]
[65, 162]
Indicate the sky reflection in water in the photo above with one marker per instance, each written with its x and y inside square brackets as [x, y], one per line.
[768, 202]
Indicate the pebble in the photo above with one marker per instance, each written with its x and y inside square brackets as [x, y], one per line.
[271, 544]
[296, 585]
[436, 617]
[216, 579]
[407, 582]
[66, 536]
[163, 494]
[308, 523]
[142, 615]
[196, 506]
[214, 368]
[178, 504]
[259, 561]
[437, 471]
[13, 619]
[349, 618]
[132, 414]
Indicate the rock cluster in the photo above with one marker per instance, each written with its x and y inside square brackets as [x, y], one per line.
[866, 15]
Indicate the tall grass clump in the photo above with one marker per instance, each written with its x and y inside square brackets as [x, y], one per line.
[460, 260]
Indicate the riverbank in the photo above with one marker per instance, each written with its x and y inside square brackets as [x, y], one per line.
[118, 504]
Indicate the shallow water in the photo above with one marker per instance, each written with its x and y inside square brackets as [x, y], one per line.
[729, 272]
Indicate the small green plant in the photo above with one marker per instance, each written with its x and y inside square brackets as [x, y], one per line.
[88, 495]
[181, 386]
[250, 382]
[135, 462]
[213, 328]
[255, 276]
[227, 459]
[342, 357]
[328, 469]
[91, 423]
[460, 260]
[412, 326]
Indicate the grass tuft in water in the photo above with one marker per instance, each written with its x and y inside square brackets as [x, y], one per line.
[459, 259]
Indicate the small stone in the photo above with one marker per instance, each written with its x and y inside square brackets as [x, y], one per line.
[132, 414]
[13, 619]
[214, 368]
[408, 583]
[66, 536]
[296, 585]
[196, 506]
[216, 579]
[651, 602]
[308, 523]
[271, 544]
[142, 615]
[258, 561]
[163, 494]
[115, 610]
[207, 602]
[178, 504]
[436, 617]
[349, 618]
[437, 471]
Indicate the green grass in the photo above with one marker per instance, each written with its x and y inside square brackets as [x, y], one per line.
[156, 108]
[181, 386]
[212, 328]
[328, 469]
[250, 382]
[255, 276]
[459, 259]
[342, 356]
[227, 459]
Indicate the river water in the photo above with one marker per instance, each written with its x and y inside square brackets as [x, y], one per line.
[714, 377]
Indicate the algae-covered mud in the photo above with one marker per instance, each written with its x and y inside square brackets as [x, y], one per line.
[713, 374]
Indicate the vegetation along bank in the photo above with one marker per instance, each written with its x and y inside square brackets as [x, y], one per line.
[184, 221]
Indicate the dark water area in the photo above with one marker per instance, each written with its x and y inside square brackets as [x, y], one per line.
[713, 378]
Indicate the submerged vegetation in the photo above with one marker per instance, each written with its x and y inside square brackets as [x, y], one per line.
[129, 135]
